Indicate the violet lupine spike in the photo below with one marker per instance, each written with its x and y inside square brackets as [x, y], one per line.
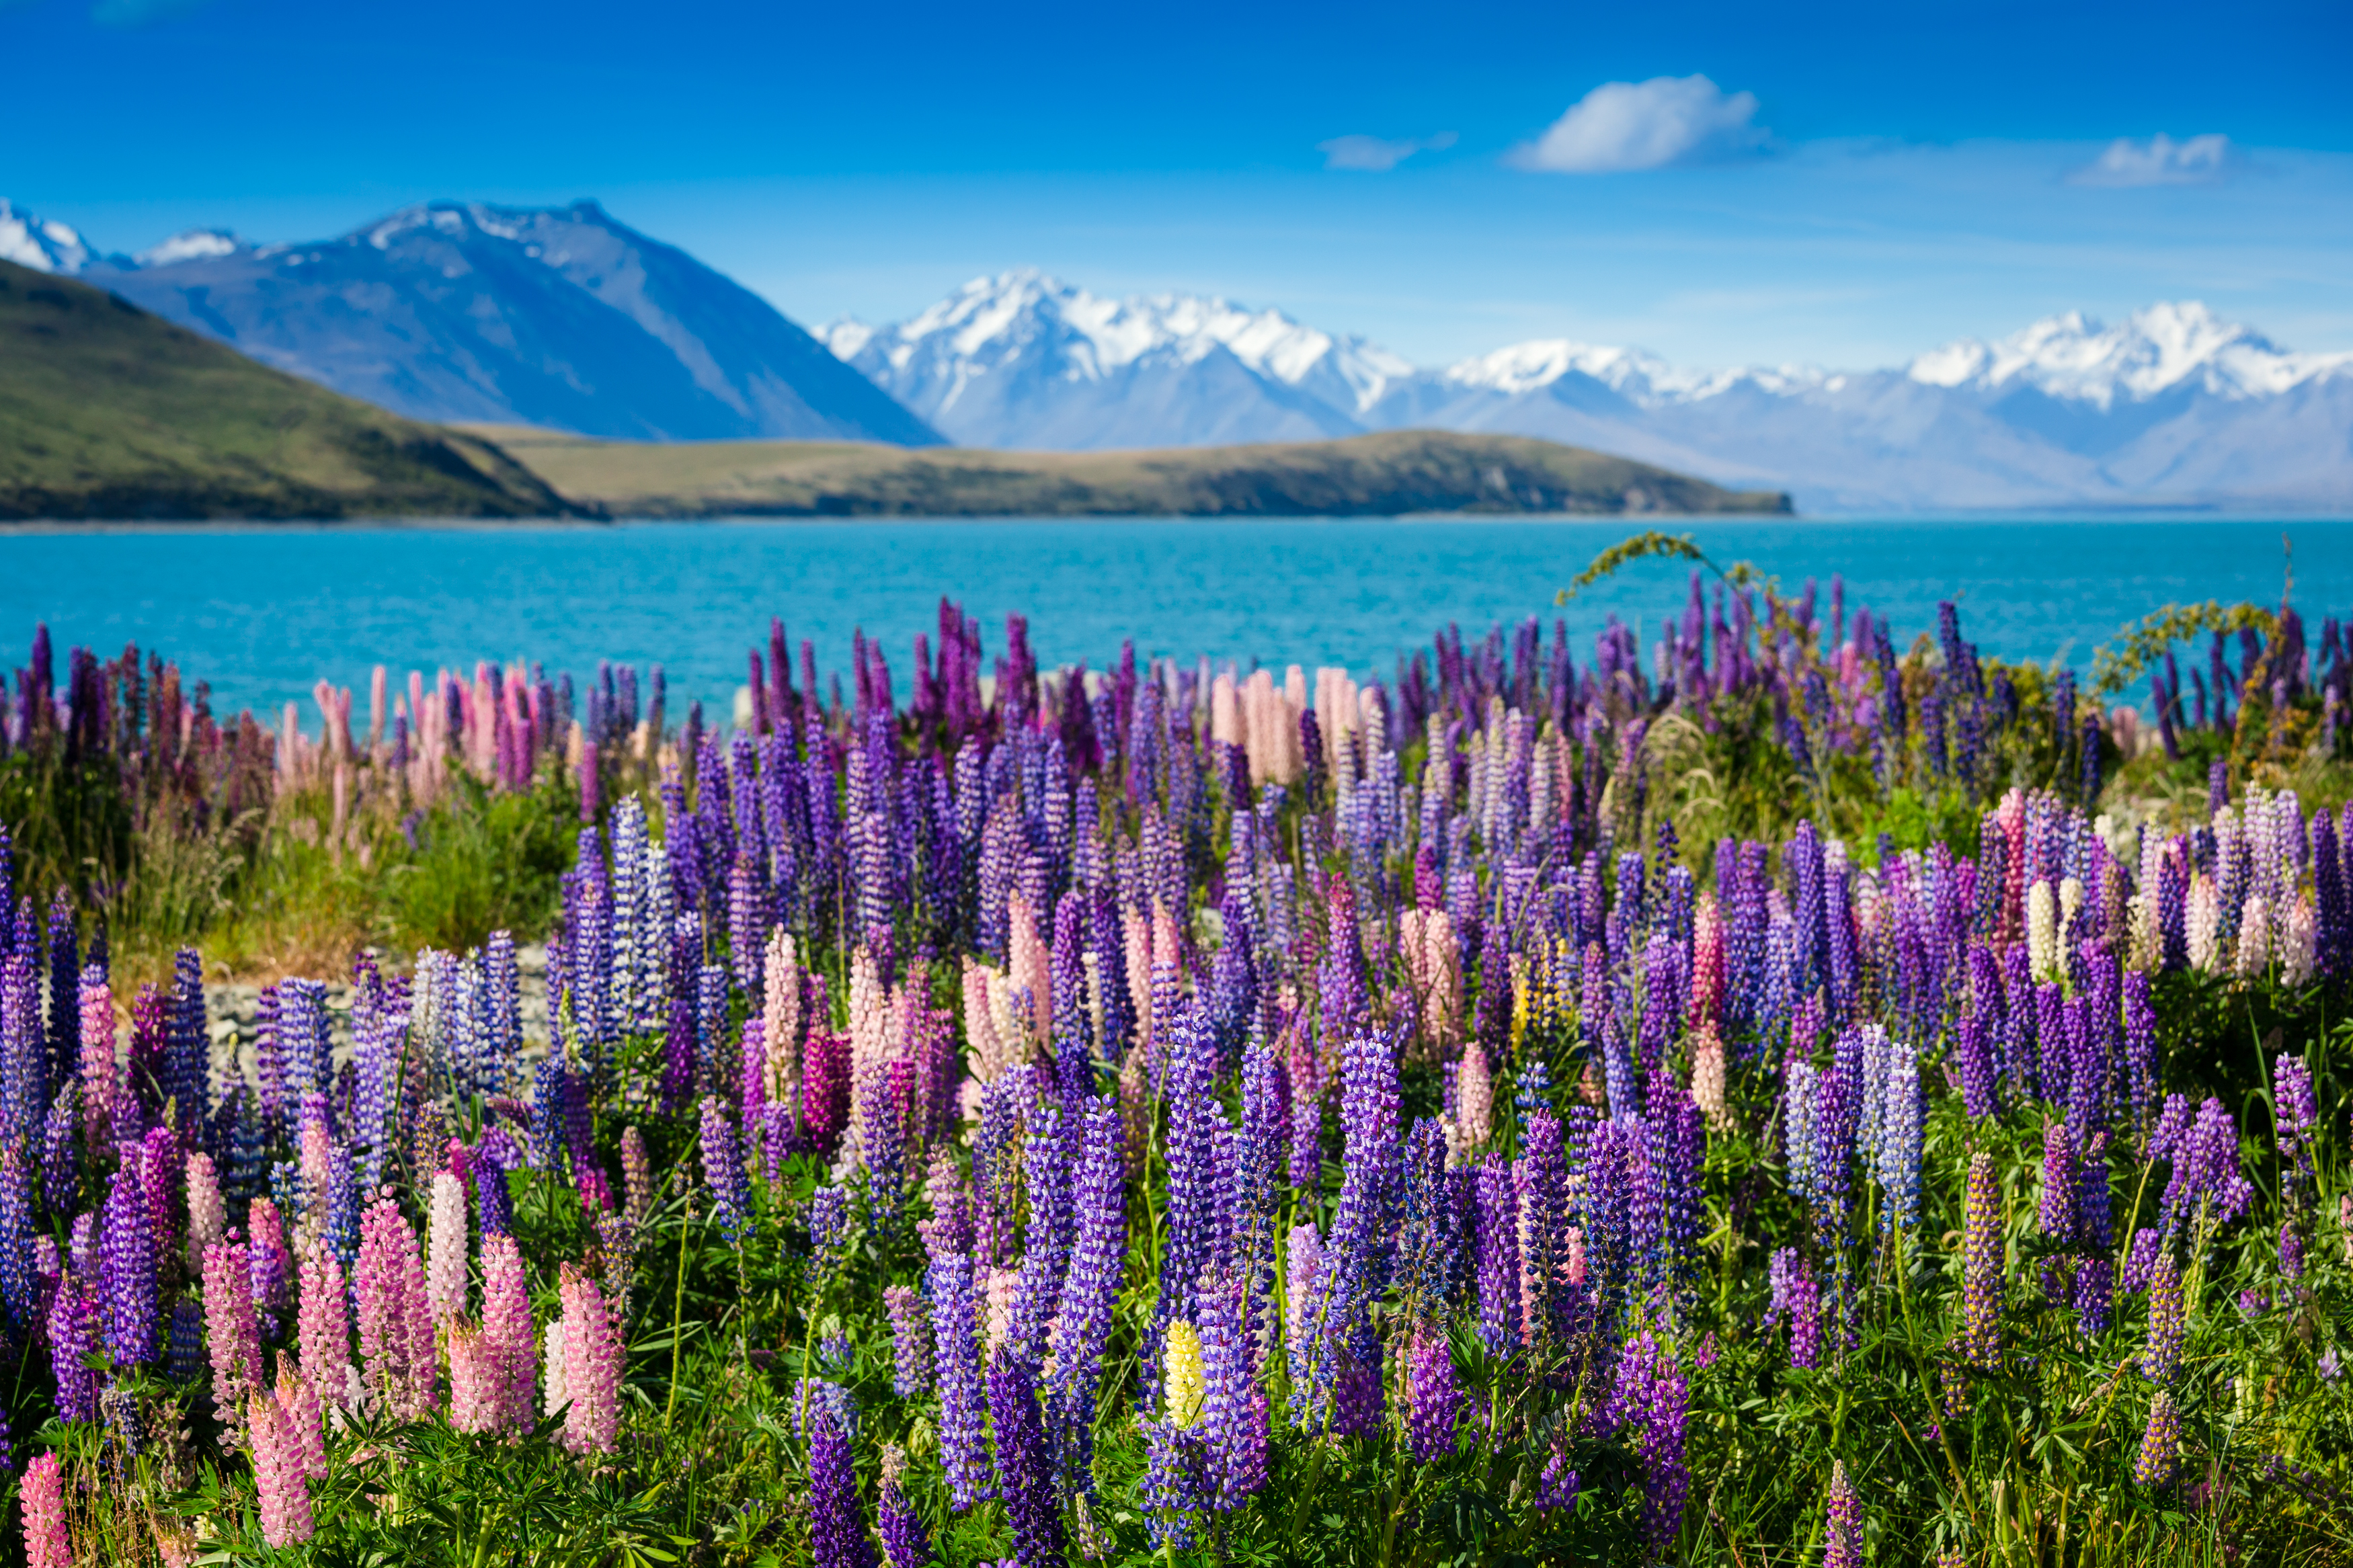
[74, 1336]
[1982, 1268]
[1234, 1411]
[837, 1523]
[1090, 1289]
[1842, 1529]
[1433, 1398]
[1498, 1244]
[911, 1342]
[723, 1168]
[955, 1327]
[1025, 1470]
[127, 1271]
[905, 1542]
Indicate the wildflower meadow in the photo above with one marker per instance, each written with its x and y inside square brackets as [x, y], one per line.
[1775, 1088]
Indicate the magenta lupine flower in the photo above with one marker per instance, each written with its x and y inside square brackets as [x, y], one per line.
[41, 1499]
[1842, 1530]
[836, 1523]
[1025, 1472]
[1434, 1396]
[956, 1328]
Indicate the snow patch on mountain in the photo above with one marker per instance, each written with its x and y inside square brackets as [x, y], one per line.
[42, 244]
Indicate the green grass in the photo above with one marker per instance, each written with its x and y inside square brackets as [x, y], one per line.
[107, 412]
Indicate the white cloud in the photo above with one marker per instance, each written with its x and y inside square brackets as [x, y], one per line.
[2160, 161]
[1626, 125]
[1372, 154]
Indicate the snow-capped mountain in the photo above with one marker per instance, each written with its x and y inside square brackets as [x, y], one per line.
[560, 317]
[2173, 406]
[1024, 358]
[44, 245]
[2152, 353]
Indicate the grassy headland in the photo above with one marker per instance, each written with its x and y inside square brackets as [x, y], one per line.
[1381, 475]
[107, 412]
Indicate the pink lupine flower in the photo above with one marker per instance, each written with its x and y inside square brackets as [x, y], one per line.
[323, 1328]
[507, 1329]
[478, 1388]
[445, 1276]
[395, 1320]
[279, 1472]
[100, 1076]
[41, 1496]
[207, 1215]
[229, 1324]
[592, 1366]
[305, 1420]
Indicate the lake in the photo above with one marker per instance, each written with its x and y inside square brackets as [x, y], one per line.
[263, 612]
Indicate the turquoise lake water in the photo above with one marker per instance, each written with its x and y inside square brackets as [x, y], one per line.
[261, 614]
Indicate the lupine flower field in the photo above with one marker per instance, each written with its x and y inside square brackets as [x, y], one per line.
[1775, 1088]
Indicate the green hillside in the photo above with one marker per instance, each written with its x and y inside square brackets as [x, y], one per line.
[107, 412]
[1380, 475]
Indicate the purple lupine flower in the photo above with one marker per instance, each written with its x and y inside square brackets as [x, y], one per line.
[2295, 1118]
[2095, 1276]
[1797, 1298]
[2160, 1442]
[2140, 1046]
[905, 1542]
[1498, 1241]
[2056, 1210]
[836, 1523]
[1981, 1275]
[911, 1342]
[1356, 1261]
[723, 1167]
[1173, 1487]
[1046, 1245]
[829, 1227]
[2167, 1321]
[1192, 1220]
[1652, 1395]
[127, 1270]
[1234, 1413]
[20, 1290]
[2206, 1185]
[1024, 1468]
[1842, 1529]
[956, 1328]
[1090, 1289]
[1973, 1053]
[73, 1337]
[1434, 1396]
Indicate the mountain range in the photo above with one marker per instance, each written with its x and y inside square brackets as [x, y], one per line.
[2173, 407]
[567, 320]
[454, 313]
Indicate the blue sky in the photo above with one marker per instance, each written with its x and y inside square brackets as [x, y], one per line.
[1845, 184]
